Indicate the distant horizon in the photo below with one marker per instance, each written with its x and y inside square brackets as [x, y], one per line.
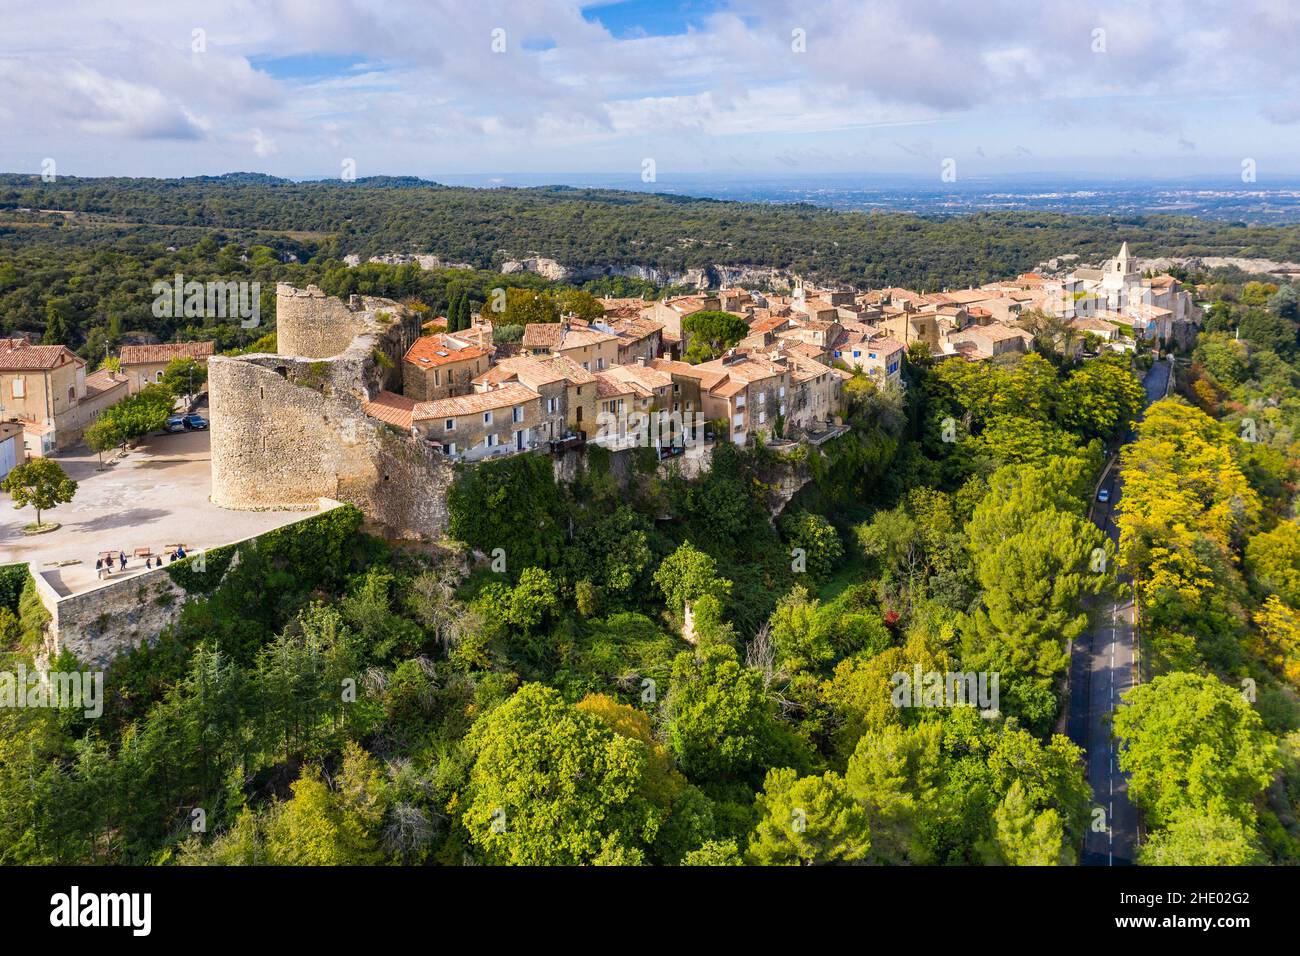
[568, 178]
[757, 89]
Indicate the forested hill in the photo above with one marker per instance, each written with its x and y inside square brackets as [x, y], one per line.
[592, 229]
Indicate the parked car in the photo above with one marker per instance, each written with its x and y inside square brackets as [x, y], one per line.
[195, 422]
[175, 424]
[1104, 495]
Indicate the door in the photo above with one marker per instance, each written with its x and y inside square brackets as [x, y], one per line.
[8, 455]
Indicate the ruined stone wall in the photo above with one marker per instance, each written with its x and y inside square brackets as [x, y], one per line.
[311, 324]
[286, 432]
[288, 429]
[99, 624]
[110, 619]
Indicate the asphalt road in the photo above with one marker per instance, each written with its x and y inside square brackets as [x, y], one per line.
[1101, 670]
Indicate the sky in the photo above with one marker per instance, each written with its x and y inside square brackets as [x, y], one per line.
[730, 89]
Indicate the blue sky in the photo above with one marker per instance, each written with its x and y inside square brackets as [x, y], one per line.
[737, 89]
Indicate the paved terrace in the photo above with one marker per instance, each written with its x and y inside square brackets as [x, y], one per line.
[156, 496]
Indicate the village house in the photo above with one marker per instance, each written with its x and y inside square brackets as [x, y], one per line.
[669, 313]
[686, 385]
[12, 451]
[144, 364]
[481, 424]
[442, 366]
[872, 350]
[566, 392]
[750, 392]
[815, 392]
[46, 388]
[590, 347]
[645, 388]
[990, 341]
[638, 338]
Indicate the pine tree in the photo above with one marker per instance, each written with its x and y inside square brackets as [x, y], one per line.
[453, 313]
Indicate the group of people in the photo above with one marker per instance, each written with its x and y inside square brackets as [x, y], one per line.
[104, 565]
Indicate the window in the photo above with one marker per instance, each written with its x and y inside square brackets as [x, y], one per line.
[20, 387]
[487, 418]
[740, 401]
[550, 407]
[871, 355]
[857, 354]
[586, 366]
[837, 353]
[782, 392]
[762, 417]
[449, 425]
[435, 377]
[677, 387]
[158, 375]
[600, 365]
[451, 448]
[517, 413]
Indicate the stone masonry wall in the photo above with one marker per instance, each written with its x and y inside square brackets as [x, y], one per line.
[311, 324]
[288, 429]
[99, 624]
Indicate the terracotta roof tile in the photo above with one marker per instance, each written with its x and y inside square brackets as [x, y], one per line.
[36, 358]
[502, 397]
[153, 354]
[430, 351]
[104, 380]
[390, 407]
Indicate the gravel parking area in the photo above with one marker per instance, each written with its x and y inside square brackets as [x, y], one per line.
[156, 496]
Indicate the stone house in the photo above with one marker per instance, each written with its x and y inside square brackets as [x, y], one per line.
[872, 350]
[990, 341]
[591, 348]
[47, 388]
[686, 384]
[669, 313]
[502, 420]
[442, 366]
[637, 338]
[751, 392]
[144, 364]
[12, 451]
[815, 392]
[566, 392]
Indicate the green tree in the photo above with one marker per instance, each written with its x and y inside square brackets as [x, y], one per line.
[721, 725]
[1192, 743]
[1100, 398]
[688, 574]
[1197, 838]
[714, 853]
[184, 377]
[41, 483]
[808, 821]
[818, 541]
[1025, 836]
[552, 785]
[711, 333]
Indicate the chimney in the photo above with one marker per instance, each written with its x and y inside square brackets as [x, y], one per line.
[640, 360]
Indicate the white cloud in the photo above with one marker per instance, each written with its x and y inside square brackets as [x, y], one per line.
[429, 94]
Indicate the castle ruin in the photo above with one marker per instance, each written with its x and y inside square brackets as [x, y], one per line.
[290, 428]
